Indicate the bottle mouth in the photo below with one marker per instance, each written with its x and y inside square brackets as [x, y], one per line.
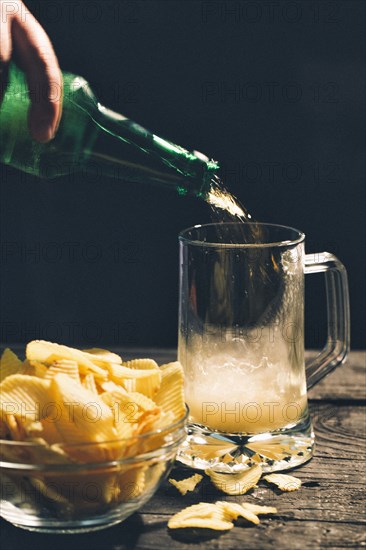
[211, 163]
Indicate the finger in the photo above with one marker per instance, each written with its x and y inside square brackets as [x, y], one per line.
[39, 62]
[6, 13]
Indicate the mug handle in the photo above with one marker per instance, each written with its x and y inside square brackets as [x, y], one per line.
[336, 348]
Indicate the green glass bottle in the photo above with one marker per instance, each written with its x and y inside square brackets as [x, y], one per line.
[93, 139]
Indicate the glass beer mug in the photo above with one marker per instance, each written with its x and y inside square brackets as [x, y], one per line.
[241, 343]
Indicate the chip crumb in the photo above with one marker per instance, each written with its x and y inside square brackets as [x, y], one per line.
[284, 482]
[187, 484]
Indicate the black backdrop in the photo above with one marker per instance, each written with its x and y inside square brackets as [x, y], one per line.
[272, 89]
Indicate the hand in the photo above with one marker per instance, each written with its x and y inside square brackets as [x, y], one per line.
[23, 37]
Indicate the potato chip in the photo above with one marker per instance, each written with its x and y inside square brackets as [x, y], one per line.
[258, 510]
[89, 383]
[4, 430]
[33, 429]
[165, 420]
[110, 387]
[49, 490]
[188, 484]
[159, 424]
[134, 404]
[218, 515]
[84, 416]
[145, 381]
[24, 396]
[238, 483]
[13, 427]
[143, 402]
[234, 510]
[131, 482]
[88, 406]
[284, 482]
[141, 364]
[170, 396]
[103, 355]
[48, 353]
[124, 428]
[201, 523]
[9, 364]
[64, 366]
[202, 515]
[146, 423]
[140, 412]
[203, 510]
[50, 432]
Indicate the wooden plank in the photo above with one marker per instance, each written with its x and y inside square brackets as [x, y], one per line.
[340, 430]
[327, 512]
[347, 382]
[270, 534]
[331, 492]
[149, 532]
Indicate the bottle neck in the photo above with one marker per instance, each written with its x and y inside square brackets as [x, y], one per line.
[125, 150]
[96, 140]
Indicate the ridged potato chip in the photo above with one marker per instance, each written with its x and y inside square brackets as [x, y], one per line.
[64, 401]
[203, 515]
[64, 366]
[109, 387]
[24, 396]
[48, 353]
[49, 491]
[89, 383]
[170, 396]
[141, 364]
[219, 515]
[202, 510]
[13, 427]
[146, 381]
[201, 523]
[187, 484]
[103, 355]
[284, 482]
[131, 482]
[236, 484]
[246, 510]
[84, 417]
[258, 510]
[234, 511]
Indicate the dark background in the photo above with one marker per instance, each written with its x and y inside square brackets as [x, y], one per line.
[273, 90]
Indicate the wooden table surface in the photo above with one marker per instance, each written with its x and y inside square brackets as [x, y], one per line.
[327, 512]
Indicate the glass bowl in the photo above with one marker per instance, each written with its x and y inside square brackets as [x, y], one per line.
[63, 489]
